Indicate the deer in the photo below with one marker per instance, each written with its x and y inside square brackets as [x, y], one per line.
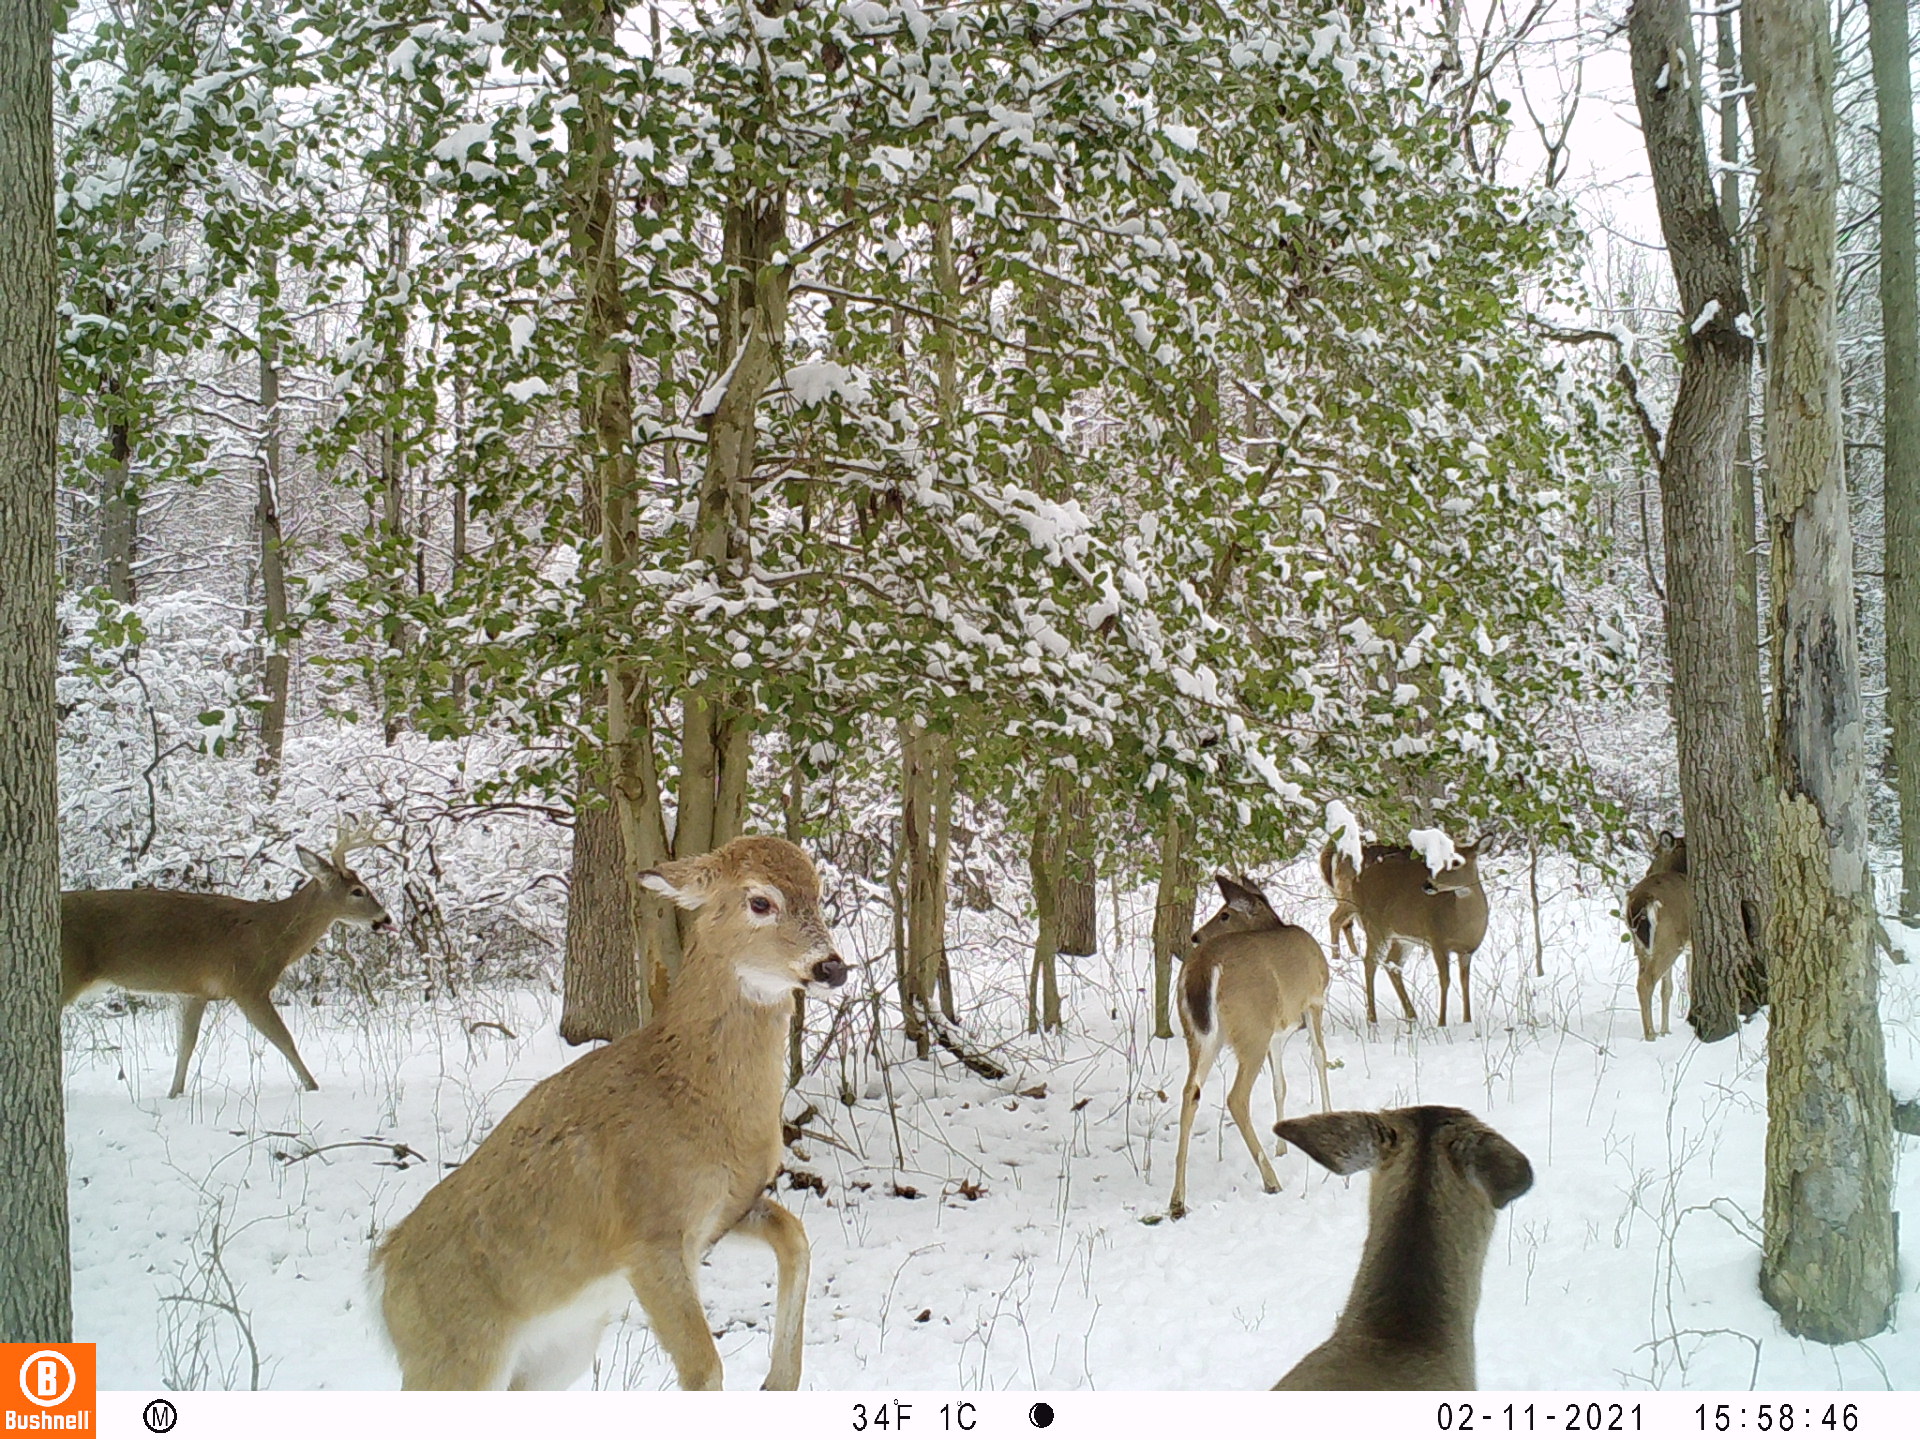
[1439, 1176]
[1660, 918]
[214, 947]
[1339, 872]
[1401, 902]
[1249, 978]
[611, 1179]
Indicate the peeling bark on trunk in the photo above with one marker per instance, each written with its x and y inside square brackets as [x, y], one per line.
[1900, 319]
[1715, 671]
[1829, 1265]
[1173, 903]
[35, 1278]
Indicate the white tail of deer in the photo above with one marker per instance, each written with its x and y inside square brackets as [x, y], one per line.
[1439, 1176]
[1660, 917]
[213, 947]
[615, 1176]
[1248, 982]
[1401, 902]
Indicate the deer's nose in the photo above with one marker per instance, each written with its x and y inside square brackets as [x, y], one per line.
[831, 971]
[383, 923]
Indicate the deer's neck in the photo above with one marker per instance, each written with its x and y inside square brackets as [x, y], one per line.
[715, 1034]
[293, 926]
[1419, 1277]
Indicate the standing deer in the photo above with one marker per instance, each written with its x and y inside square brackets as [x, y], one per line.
[1249, 981]
[614, 1177]
[1339, 872]
[1660, 915]
[1400, 902]
[1439, 1176]
[213, 947]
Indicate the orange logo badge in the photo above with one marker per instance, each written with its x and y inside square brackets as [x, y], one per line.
[46, 1390]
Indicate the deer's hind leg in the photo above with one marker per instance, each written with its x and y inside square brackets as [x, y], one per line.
[780, 1228]
[1201, 1051]
[1237, 1097]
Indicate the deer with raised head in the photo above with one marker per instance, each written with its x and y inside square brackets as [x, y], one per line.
[1248, 982]
[1660, 917]
[213, 947]
[1439, 1174]
[613, 1178]
[1401, 902]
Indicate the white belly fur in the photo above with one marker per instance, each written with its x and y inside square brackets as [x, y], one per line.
[557, 1348]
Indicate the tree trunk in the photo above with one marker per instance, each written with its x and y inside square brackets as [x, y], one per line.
[1046, 865]
[1079, 922]
[1172, 917]
[1900, 319]
[35, 1279]
[607, 514]
[1829, 1265]
[273, 573]
[925, 757]
[393, 478]
[604, 997]
[458, 561]
[1715, 673]
[119, 503]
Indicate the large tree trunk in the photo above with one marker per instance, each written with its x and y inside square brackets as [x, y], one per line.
[35, 1280]
[1715, 670]
[1172, 916]
[604, 998]
[607, 514]
[1900, 321]
[926, 787]
[273, 573]
[1829, 1265]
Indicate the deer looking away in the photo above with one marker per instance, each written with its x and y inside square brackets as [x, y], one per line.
[1660, 916]
[1248, 982]
[1439, 1176]
[1339, 872]
[613, 1178]
[213, 947]
[1402, 902]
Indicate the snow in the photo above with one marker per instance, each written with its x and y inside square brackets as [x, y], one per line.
[1705, 317]
[1629, 1265]
[1435, 847]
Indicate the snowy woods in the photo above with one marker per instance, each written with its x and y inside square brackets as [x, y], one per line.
[1034, 457]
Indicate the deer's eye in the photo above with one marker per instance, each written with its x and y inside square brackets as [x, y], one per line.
[358, 893]
[760, 905]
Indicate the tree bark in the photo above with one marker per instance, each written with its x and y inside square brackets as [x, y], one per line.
[119, 502]
[604, 998]
[1828, 1265]
[1172, 916]
[35, 1278]
[1079, 898]
[273, 573]
[629, 770]
[926, 760]
[1715, 672]
[1046, 866]
[1900, 320]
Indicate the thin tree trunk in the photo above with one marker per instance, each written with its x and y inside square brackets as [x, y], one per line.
[458, 562]
[1828, 1265]
[1079, 923]
[273, 573]
[926, 813]
[35, 1278]
[1172, 917]
[1715, 673]
[1044, 855]
[119, 504]
[1900, 319]
[393, 479]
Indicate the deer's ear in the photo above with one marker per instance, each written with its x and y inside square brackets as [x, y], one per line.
[318, 866]
[1345, 1141]
[688, 883]
[1497, 1165]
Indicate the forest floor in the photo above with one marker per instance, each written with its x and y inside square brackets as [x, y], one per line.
[973, 1236]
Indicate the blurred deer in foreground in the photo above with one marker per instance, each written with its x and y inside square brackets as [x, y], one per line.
[1248, 982]
[613, 1178]
[1401, 902]
[1439, 1176]
[1660, 915]
[213, 947]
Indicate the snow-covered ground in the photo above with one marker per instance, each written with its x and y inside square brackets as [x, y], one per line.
[975, 1236]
